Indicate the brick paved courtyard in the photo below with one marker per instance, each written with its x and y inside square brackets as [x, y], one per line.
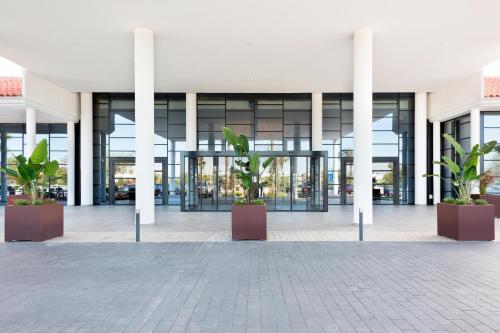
[250, 287]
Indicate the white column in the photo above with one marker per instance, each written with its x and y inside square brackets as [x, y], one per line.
[30, 131]
[144, 123]
[363, 91]
[475, 130]
[71, 163]
[191, 122]
[86, 150]
[317, 122]
[436, 156]
[420, 148]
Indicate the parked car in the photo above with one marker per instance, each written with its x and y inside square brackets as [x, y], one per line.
[126, 192]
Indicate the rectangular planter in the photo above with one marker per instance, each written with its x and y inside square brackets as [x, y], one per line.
[493, 199]
[33, 223]
[249, 222]
[466, 222]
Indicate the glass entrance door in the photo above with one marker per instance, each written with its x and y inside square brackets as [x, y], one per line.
[292, 181]
[385, 180]
[122, 181]
[161, 184]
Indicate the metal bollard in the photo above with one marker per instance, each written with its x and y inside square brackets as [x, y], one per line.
[360, 225]
[137, 225]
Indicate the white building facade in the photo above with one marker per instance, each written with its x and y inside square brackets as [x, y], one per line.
[353, 115]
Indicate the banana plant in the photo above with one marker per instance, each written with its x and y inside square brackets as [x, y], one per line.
[466, 173]
[249, 172]
[32, 172]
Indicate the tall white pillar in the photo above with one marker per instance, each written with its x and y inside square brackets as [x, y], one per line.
[191, 122]
[86, 150]
[144, 123]
[420, 148]
[71, 163]
[30, 131]
[317, 122]
[363, 109]
[475, 130]
[436, 156]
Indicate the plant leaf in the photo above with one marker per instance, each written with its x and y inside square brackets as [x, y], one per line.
[455, 144]
[40, 152]
[267, 162]
[20, 159]
[487, 147]
[245, 147]
[254, 163]
[10, 172]
[25, 172]
[452, 166]
[229, 135]
[51, 168]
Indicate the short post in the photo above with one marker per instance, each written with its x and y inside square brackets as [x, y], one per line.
[137, 225]
[360, 223]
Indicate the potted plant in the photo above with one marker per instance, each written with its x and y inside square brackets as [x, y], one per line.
[486, 179]
[34, 218]
[248, 215]
[463, 218]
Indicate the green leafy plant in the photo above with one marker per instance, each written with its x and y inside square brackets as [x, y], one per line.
[249, 167]
[33, 172]
[463, 174]
[38, 202]
[480, 202]
[485, 180]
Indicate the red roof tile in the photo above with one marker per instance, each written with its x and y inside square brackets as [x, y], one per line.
[11, 86]
[492, 87]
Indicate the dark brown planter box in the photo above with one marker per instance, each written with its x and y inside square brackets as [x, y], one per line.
[493, 199]
[34, 223]
[249, 222]
[466, 222]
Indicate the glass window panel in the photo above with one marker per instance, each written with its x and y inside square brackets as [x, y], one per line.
[161, 124]
[331, 124]
[117, 104]
[246, 130]
[123, 117]
[210, 124]
[491, 120]
[347, 117]
[297, 131]
[60, 156]
[269, 111]
[300, 104]
[239, 117]
[268, 136]
[123, 131]
[347, 130]
[385, 150]
[385, 124]
[177, 117]
[491, 134]
[211, 111]
[122, 144]
[160, 138]
[331, 135]
[176, 131]
[297, 117]
[269, 124]
[58, 143]
[211, 99]
[177, 104]
[385, 137]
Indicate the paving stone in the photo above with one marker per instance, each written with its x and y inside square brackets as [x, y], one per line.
[250, 287]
